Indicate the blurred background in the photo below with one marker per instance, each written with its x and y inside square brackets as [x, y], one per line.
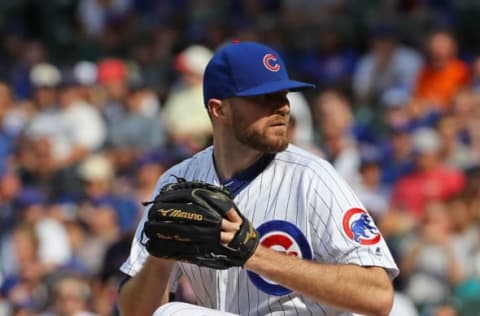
[99, 97]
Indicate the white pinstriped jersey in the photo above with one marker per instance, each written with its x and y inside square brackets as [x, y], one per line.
[318, 217]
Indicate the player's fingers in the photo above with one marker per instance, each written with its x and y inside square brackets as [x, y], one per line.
[226, 237]
[228, 226]
[233, 216]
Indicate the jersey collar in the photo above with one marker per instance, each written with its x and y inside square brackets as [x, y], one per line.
[239, 181]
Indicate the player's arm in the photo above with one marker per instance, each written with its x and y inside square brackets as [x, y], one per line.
[365, 290]
[145, 291]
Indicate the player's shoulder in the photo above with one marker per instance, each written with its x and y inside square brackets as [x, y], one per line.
[307, 163]
[198, 161]
[300, 157]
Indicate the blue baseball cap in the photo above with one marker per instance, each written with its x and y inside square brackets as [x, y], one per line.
[246, 69]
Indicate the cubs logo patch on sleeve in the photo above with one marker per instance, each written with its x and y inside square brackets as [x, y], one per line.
[360, 228]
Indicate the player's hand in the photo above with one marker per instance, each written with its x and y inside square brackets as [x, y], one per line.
[230, 226]
[199, 223]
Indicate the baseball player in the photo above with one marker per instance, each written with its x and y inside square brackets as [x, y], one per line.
[319, 251]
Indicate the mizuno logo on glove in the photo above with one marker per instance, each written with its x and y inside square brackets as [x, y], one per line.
[184, 223]
[181, 214]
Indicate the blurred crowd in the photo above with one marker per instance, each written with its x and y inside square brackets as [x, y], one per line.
[99, 97]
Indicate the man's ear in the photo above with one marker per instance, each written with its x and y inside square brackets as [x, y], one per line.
[217, 109]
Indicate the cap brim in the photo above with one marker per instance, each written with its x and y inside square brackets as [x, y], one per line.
[276, 86]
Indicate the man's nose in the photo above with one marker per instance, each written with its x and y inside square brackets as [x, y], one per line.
[283, 108]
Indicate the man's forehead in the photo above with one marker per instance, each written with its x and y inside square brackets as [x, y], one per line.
[266, 96]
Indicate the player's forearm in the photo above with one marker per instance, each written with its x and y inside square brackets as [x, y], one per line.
[350, 287]
[148, 289]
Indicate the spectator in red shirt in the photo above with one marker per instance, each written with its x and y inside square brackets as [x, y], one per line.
[431, 180]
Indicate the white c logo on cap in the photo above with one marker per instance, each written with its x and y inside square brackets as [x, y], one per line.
[270, 62]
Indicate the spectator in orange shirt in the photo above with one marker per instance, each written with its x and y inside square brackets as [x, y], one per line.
[444, 74]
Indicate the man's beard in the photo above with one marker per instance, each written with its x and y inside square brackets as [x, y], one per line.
[256, 140]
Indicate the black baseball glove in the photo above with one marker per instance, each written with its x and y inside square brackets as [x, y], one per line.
[184, 223]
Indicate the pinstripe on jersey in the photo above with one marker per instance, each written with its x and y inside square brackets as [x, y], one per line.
[297, 187]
